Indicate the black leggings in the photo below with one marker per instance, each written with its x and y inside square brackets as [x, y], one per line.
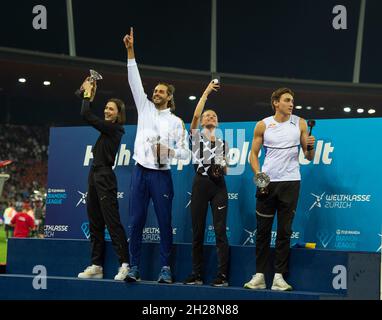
[102, 207]
[205, 191]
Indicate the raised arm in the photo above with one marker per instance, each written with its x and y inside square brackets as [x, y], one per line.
[306, 140]
[200, 106]
[86, 113]
[129, 44]
[257, 142]
[133, 75]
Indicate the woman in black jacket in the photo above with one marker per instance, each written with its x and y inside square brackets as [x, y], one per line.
[102, 203]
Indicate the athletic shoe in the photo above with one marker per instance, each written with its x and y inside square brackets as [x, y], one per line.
[122, 273]
[92, 272]
[280, 284]
[257, 282]
[165, 275]
[193, 279]
[133, 275]
[220, 281]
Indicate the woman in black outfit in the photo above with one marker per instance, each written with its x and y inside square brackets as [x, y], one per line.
[208, 187]
[102, 203]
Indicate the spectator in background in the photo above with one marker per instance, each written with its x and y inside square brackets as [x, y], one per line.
[27, 148]
[39, 218]
[28, 209]
[9, 213]
[23, 224]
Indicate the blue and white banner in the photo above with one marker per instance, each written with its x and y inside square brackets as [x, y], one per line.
[340, 205]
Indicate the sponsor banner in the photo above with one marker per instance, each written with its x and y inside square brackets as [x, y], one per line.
[339, 207]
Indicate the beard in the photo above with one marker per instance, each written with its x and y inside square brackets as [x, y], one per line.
[159, 102]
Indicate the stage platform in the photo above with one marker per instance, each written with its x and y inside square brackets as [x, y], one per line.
[313, 274]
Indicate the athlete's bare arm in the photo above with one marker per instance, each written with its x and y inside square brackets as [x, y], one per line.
[257, 142]
[306, 140]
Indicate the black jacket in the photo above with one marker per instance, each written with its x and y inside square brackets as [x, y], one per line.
[107, 144]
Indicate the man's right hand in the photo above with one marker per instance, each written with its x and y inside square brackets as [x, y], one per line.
[129, 39]
[261, 179]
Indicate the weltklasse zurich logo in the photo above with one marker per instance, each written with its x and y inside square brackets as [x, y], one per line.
[339, 200]
[317, 202]
[251, 237]
[82, 199]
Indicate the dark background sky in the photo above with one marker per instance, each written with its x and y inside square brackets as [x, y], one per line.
[293, 39]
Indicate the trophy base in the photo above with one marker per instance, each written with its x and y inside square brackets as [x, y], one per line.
[262, 193]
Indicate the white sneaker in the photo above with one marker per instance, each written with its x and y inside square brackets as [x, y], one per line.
[257, 282]
[92, 272]
[280, 284]
[122, 273]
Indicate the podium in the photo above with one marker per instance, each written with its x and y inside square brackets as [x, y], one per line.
[311, 274]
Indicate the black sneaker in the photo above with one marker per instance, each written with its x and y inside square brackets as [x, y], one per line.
[220, 281]
[193, 279]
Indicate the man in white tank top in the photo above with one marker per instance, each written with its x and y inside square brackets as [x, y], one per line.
[281, 135]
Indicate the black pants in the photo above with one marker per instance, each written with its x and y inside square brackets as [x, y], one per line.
[102, 208]
[283, 197]
[205, 191]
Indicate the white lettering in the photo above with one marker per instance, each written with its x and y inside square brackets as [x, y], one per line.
[340, 280]
[39, 281]
[88, 155]
[340, 21]
[40, 20]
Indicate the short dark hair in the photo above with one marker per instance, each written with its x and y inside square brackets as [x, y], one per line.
[170, 92]
[121, 118]
[276, 95]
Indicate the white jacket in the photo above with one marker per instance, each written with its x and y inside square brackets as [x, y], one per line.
[154, 124]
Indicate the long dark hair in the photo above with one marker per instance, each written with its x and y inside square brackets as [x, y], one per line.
[170, 92]
[121, 118]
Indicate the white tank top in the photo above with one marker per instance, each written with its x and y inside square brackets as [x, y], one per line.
[281, 144]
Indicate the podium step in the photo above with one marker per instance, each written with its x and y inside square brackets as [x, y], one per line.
[21, 287]
[313, 273]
